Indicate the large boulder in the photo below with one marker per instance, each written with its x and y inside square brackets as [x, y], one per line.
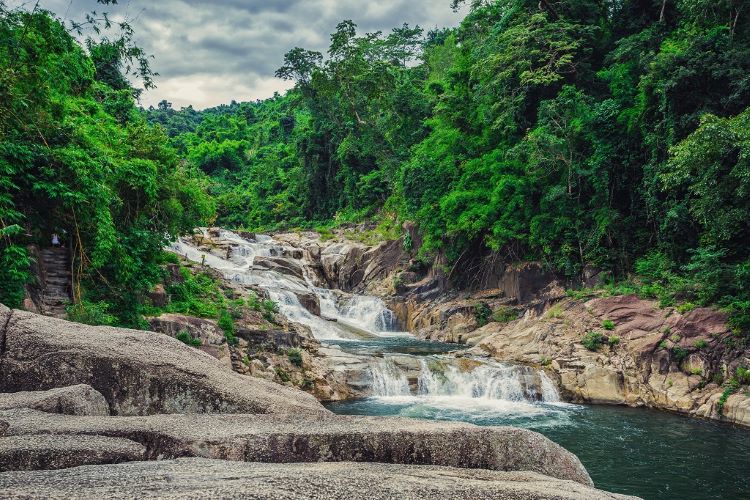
[201, 478]
[49, 451]
[74, 400]
[138, 373]
[333, 438]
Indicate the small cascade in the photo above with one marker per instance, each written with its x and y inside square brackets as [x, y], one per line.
[457, 378]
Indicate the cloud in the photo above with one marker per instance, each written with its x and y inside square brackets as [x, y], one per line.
[208, 53]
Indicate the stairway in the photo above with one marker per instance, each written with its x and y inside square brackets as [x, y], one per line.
[55, 265]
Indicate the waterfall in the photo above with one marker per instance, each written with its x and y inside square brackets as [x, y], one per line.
[449, 378]
[344, 316]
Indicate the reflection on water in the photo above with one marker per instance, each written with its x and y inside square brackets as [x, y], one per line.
[651, 454]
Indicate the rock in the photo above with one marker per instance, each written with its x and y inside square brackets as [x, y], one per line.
[206, 330]
[295, 438]
[309, 301]
[524, 281]
[47, 451]
[75, 400]
[3, 427]
[159, 296]
[642, 368]
[280, 265]
[138, 373]
[202, 478]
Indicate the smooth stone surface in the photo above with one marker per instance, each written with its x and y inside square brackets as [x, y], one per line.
[138, 373]
[48, 451]
[292, 438]
[201, 478]
[74, 400]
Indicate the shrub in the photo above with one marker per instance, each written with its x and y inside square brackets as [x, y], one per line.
[608, 324]
[269, 309]
[742, 375]
[91, 313]
[482, 313]
[186, 338]
[282, 374]
[686, 307]
[613, 340]
[700, 344]
[226, 323]
[730, 389]
[679, 353]
[663, 344]
[592, 341]
[696, 371]
[295, 356]
[504, 314]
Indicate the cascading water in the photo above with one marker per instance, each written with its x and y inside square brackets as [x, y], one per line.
[445, 378]
[343, 316]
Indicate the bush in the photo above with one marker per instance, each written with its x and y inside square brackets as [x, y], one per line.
[686, 307]
[295, 357]
[608, 324]
[186, 338]
[592, 341]
[731, 388]
[226, 323]
[482, 313]
[742, 375]
[679, 353]
[504, 314]
[91, 313]
[700, 344]
[270, 308]
[613, 340]
[282, 374]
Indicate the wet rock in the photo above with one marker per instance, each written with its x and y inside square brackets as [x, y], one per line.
[280, 265]
[201, 478]
[75, 400]
[49, 451]
[295, 438]
[137, 372]
[309, 301]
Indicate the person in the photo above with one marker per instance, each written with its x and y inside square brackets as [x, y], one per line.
[55, 240]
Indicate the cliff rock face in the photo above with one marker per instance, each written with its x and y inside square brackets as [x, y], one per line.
[653, 357]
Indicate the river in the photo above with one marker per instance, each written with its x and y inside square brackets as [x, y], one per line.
[637, 451]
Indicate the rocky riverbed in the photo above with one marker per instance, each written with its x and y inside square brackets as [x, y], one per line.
[86, 398]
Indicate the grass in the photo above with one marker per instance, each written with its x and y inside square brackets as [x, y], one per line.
[592, 341]
[504, 314]
[555, 312]
[295, 357]
[700, 344]
[608, 324]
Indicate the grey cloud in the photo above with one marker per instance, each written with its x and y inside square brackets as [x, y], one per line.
[208, 53]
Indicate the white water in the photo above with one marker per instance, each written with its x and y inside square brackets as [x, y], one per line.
[437, 381]
[344, 316]
[487, 387]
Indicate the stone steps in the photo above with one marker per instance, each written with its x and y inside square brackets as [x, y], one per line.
[57, 281]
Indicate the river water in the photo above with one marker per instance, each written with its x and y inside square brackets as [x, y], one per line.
[651, 454]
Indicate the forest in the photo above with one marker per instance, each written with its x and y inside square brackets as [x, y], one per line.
[581, 133]
[607, 134]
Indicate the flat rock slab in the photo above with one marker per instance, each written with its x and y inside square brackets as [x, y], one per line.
[287, 438]
[74, 400]
[138, 373]
[37, 452]
[201, 478]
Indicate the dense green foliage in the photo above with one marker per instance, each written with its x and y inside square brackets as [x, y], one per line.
[611, 134]
[78, 159]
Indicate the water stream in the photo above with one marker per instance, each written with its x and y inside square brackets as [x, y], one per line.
[655, 455]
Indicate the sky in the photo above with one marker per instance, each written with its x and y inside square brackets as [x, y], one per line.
[209, 53]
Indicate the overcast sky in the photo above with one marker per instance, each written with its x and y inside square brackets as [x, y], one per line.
[208, 53]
